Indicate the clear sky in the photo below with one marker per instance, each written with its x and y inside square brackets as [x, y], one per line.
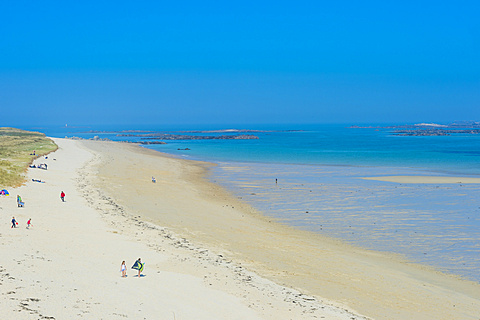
[203, 62]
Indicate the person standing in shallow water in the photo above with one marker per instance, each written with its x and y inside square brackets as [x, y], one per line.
[62, 196]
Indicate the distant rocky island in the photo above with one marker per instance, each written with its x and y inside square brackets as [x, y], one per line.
[430, 129]
[120, 131]
[238, 131]
[434, 132]
[163, 136]
[97, 138]
[223, 134]
[190, 131]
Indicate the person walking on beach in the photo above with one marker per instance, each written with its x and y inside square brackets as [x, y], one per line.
[19, 201]
[62, 196]
[138, 265]
[154, 180]
[29, 222]
[14, 222]
[123, 268]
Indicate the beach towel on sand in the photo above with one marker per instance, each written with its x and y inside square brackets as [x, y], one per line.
[138, 265]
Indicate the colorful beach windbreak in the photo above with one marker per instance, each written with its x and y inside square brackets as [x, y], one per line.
[310, 177]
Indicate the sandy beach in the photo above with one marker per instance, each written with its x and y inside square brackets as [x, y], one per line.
[67, 264]
[208, 255]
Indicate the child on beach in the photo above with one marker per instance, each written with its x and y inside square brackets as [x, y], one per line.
[123, 268]
[14, 222]
[29, 222]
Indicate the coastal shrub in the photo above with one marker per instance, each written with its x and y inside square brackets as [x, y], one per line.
[16, 153]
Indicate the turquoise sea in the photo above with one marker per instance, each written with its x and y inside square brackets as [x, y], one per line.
[319, 187]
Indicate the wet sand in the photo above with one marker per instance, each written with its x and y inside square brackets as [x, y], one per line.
[378, 285]
[432, 224]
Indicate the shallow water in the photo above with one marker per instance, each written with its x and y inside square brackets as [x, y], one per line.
[433, 224]
[319, 170]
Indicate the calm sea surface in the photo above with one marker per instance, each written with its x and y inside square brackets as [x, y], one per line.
[319, 171]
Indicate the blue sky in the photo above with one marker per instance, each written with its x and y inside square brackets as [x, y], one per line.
[205, 62]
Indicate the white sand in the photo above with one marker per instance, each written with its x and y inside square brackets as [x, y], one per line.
[66, 266]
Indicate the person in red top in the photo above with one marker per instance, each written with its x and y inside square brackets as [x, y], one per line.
[62, 196]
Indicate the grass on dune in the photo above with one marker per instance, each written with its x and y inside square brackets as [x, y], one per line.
[16, 148]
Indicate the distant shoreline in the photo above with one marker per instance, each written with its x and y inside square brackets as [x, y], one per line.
[314, 144]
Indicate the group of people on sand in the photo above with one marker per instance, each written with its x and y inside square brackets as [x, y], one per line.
[138, 265]
[15, 223]
[21, 204]
[40, 166]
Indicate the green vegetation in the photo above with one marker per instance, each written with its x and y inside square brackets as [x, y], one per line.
[16, 148]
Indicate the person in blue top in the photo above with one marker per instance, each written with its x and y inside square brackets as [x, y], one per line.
[14, 222]
[138, 265]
